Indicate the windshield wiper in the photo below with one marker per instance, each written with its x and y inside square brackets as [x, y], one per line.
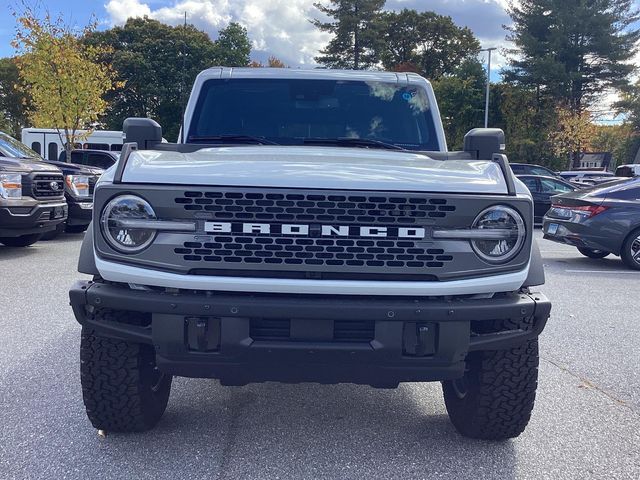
[353, 142]
[232, 138]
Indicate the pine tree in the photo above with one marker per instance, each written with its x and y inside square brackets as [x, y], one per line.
[572, 50]
[356, 38]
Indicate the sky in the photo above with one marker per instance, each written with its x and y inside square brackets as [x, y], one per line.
[276, 27]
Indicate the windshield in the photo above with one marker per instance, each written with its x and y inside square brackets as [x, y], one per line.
[292, 112]
[12, 148]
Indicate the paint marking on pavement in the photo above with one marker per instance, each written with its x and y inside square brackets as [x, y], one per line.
[603, 271]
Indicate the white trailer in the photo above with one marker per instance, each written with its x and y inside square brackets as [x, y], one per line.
[47, 141]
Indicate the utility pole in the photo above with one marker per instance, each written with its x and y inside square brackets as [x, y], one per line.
[486, 103]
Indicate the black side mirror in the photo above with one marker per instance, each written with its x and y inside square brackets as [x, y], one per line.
[482, 143]
[142, 131]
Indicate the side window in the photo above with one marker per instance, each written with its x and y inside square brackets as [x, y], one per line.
[116, 147]
[78, 158]
[52, 151]
[550, 186]
[101, 161]
[624, 172]
[517, 169]
[35, 146]
[531, 183]
[541, 171]
[97, 146]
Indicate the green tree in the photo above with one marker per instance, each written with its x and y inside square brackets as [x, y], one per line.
[156, 64]
[356, 38]
[233, 47]
[63, 76]
[14, 99]
[426, 42]
[572, 50]
[461, 100]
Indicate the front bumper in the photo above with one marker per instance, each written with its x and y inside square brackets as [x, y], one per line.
[16, 221]
[243, 338]
[80, 212]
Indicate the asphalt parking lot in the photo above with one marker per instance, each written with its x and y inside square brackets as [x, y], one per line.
[586, 423]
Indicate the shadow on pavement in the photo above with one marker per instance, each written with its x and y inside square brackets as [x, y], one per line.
[18, 252]
[259, 431]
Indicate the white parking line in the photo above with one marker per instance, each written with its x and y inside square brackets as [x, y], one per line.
[603, 271]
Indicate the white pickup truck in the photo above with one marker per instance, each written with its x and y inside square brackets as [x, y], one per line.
[311, 226]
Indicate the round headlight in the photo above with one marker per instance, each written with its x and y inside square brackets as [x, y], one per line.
[505, 234]
[114, 218]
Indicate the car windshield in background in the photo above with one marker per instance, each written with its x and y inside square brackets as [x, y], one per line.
[295, 112]
[12, 148]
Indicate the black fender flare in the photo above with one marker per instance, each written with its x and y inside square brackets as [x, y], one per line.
[87, 262]
[536, 267]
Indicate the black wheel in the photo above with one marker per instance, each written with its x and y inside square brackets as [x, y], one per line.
[494, 399]
[631, 250]
[122, 389]
[54, 233]
[591, 253]
[23, 241]
[76, 228]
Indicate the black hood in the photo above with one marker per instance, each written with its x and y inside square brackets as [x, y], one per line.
[75, 169]
[26, 165]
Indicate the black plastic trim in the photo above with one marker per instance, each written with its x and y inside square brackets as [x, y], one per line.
[126, 151]
[239, 359]
[87, 261]
[536, 267]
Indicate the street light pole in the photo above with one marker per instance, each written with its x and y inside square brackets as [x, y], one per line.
[486, 104]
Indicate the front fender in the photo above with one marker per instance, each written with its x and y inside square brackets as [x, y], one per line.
[536, 267]
[87, 261]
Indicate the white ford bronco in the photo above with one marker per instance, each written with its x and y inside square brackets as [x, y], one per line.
[311, 226]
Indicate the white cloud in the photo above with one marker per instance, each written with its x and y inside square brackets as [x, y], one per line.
[120, 10]
[276, 27]
[282, 27]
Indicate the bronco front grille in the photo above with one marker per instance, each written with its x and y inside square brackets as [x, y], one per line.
[318, 252]
[251, 232]
[285, 207]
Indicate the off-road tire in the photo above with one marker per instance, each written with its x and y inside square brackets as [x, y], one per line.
[121, 388]
[591, 253]
[22, 241]
[495, 398]
[632, 240]
[76, 228]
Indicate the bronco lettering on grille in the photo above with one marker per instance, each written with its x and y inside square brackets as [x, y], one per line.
[314, 230]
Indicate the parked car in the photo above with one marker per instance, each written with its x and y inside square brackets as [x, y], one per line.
[632, 170]
[305, 245]
[79, 181]
[542, 189]
[91, 158]
[31, 196]
[599, 221]
[531, 169]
